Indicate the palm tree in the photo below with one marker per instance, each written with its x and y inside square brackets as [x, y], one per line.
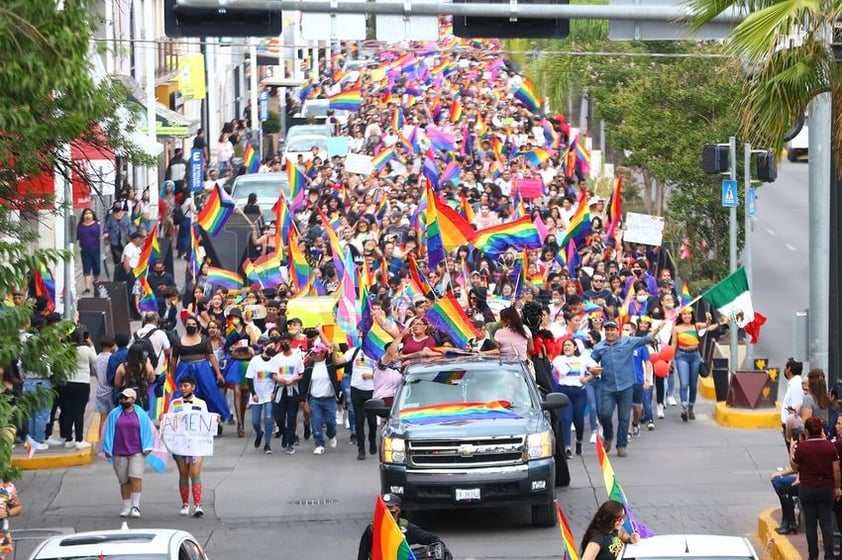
[785, 49]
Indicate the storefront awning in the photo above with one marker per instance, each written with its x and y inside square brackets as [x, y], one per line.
[169, 124]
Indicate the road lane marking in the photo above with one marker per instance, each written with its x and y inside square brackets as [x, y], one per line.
[771, 231]
[790, 247]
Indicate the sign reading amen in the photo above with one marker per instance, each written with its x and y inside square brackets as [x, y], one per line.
[189, 433]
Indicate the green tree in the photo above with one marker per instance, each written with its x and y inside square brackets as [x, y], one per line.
[786, 45]
[48, 99]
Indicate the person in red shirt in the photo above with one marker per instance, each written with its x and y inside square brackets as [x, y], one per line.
[817, 463]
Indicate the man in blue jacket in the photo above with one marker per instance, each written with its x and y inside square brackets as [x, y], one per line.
[615, 355]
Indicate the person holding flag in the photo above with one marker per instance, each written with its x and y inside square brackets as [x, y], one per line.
[375, 539]
[604, 538]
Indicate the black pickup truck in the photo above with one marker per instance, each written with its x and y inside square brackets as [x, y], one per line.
[471, 432]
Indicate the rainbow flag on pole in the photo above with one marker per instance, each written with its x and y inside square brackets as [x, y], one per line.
[519, 234]
[579, 226]
[525, 93]
[615, 207]
[350, 100]
[388, 542]
[375, 337]
[297, 185]
[150, 252]
[148, 301]
[451, 319]
[570, 552]
[217, 209]
[224, 278]
[615, 492]
[250, 159]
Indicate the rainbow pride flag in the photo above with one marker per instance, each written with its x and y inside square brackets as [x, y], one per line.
[217, 209]
[224, 278]
[685, 296]
[455, 230]
[148, 301]
[570, 551]
[467, 209]
[387, 542]
[299, 269]
[615, 492]
[451, 319]
[536, 156]
[519, 234]
[284, 222]
[579, 226]
[398, 120]
[379, 161]
[615, 207]
[455, 111]
[297, 185]
[454, 412]
[350, 100]
[250, 159]
[267, 270]
[375, 337]
[525, 93]
[150, 252]
[435, 246]
[196, 251]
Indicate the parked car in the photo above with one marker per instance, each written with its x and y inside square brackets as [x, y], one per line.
[307, 130]
[267, 187]
[799, 146]
[468, 457]
[690, 547]
[122, 544]
[316, 110]
[302, 145]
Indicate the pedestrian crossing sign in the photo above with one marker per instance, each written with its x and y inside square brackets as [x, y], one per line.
[729, 193]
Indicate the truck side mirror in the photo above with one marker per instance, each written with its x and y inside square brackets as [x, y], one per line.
[379, 408]
[554, 400]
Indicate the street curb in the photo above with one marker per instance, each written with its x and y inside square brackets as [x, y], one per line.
[747, 418]
[706, 388]
[63, 460]
[774, 546]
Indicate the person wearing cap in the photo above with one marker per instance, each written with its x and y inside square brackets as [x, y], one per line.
[615, 355]
[322, 391]
[127, 439]
[413, 534]
[189, 467]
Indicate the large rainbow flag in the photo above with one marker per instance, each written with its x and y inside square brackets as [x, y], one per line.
[519, 234]
[450, 318]
[450, 412]
[388, 542]
[216, 211]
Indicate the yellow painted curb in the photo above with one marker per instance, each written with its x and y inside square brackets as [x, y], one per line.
[770, 544]
[706, 388]
[63, 460]
[747, 418]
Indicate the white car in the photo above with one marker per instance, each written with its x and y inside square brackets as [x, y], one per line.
[799, 146]
[122, 544]
[690, 547]
[303, 145]
[316, 110]
[267, 187]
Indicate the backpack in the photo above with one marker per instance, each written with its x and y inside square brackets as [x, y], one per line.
[148, 347]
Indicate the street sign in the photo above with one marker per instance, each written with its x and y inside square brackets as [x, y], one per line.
[264, 106]
[752, 199]
[729, 193]
[197, 162]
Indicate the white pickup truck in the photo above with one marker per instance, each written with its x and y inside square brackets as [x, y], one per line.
[798, 146]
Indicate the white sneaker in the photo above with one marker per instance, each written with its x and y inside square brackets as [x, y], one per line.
[53, 442]
[80, 445]
[198, 511]
[135, 512]
[185, 510]
[347, 424]
[340, 418]
[671, 401]
[661, 411]
[126, 511]
[319, 450]
[593, 437]
[69, 444]
[332, 442]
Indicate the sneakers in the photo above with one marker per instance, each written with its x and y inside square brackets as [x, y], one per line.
[267, 449]
[635, 430]
[135, 512]
[332, 442]
[340, 418]
[593, 438]
[347, 424]
[69, 444]
[289, 450]
[650, 426]
[257, 439]
[185, 510]
[568, 452]
[621, 452]
[660, 412]
[126, 511]
[80, 445]
[319, 450]
[198, 511]
[53, 442]
[671, 401]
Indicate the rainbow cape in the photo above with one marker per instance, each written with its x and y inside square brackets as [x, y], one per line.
[216, 211]
[454, 412]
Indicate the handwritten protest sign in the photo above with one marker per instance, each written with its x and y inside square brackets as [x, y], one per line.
[358, 163]
[189, 433]
[643, 228]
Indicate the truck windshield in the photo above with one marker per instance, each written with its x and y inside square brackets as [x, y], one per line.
[460, 386]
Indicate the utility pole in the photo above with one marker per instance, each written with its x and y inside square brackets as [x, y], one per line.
[747, 238]
[732, 248]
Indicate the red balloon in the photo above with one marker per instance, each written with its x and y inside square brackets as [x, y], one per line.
[661, 368]
[667, 353]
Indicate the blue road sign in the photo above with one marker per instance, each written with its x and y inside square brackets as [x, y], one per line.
[264, 106]
[729, 193]
[752, 200]
[196, 172]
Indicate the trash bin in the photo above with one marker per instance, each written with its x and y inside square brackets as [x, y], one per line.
[720, 378]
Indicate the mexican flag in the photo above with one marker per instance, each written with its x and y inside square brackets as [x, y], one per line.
[731, 297]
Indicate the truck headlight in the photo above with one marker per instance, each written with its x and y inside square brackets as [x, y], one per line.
[394, 450]
[540, 445]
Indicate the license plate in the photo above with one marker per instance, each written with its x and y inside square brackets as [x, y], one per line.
[467, 494]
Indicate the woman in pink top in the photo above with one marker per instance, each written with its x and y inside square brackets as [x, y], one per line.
[512, 339]
[387, 374]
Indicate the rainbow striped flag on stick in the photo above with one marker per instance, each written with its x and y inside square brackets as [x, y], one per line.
[570, 551]
[615, 492]
[350, 100]
[224, 278]
[150, 252]
[525, 93]
[216, 211]
[148, 301]
[519, 234]
[450, 318]
[250, 159]
[388, 542]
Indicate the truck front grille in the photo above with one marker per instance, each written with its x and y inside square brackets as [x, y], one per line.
[485, 452]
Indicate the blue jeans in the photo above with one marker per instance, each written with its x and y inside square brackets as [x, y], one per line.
[183, 239]
[670, 384]
[687, 364]
[264, 412]
[647, 404]
[592, 391]
[37, 424]
[322, 411]
[622, 400]
[574, 413]
[346, 397]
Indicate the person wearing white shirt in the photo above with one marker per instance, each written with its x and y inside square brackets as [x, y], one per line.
[361, 369]
[290, 371]
[794, 396]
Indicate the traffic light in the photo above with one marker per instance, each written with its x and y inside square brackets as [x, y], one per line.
[504, 28]
[715, 158]
[767, 167]
[189, 21]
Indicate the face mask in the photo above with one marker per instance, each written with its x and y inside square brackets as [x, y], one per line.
[284, 346]
[275, 339]
[556, 301]
[126, 404]
[669, 306]
[191, 329]
[637, 272]
[270, 352]
[642, 299]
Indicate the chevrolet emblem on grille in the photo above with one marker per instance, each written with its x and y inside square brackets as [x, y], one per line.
[466, 450]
